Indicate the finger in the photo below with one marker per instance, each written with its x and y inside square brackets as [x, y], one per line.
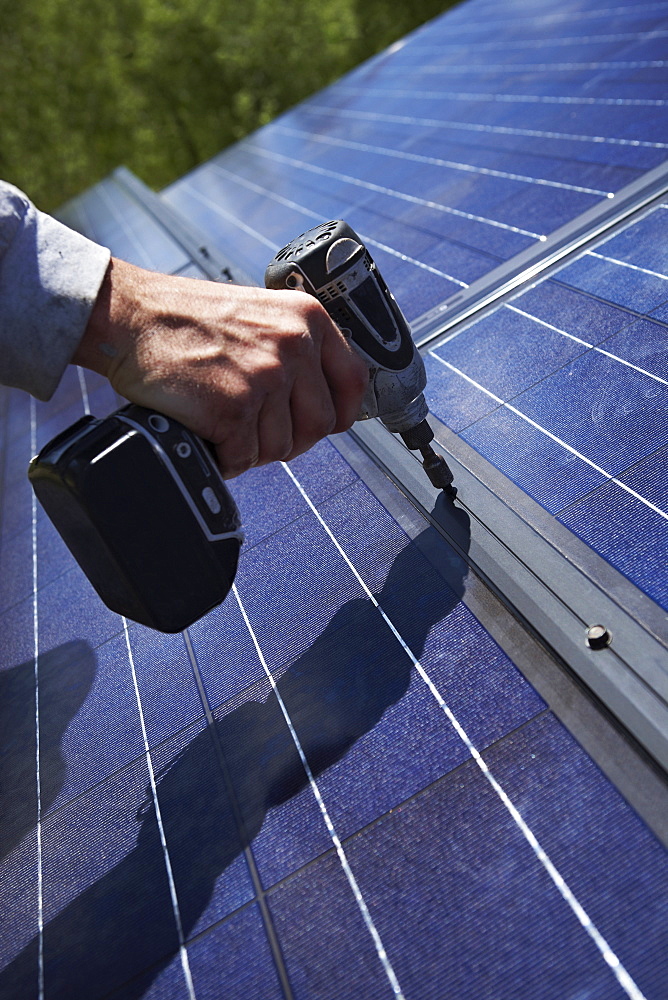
[347, 377]
[275, 433]
[240, 448]
[313, 412]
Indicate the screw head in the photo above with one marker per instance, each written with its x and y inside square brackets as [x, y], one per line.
[598, 637]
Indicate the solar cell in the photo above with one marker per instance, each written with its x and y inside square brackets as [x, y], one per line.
[341, 782]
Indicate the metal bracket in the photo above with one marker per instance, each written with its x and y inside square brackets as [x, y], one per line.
[215, 264]
[541, 259]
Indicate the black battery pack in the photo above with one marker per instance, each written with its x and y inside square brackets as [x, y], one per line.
[142, 507]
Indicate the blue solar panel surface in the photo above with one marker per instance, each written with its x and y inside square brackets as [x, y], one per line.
[115, 219]
[453, 152]
[476, 138]
[339, 784]
[574, 407]
[175, 808]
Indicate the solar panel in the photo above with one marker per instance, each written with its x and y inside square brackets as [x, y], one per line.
[245, 834]
[525, 165]
[135, 238]
[371, 771]
[445, 182]
[573, 409]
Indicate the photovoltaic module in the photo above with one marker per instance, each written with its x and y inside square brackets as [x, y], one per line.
[389, 764]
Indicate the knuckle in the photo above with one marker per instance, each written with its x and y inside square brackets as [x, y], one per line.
[275, 376]
[359, 378]
[315, 318]
[297, 345]
[276, 451]
[312, 308]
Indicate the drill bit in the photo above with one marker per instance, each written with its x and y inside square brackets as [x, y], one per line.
[419, 438]
[438, 470]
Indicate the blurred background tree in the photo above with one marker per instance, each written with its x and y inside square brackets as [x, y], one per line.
[161, 85]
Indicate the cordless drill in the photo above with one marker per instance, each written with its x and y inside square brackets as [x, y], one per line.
[331, 263]
[139, 499]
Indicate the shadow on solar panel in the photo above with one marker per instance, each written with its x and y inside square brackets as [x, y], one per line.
[214, 791]
[65, 675]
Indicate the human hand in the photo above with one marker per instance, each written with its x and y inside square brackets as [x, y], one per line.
[261, 374]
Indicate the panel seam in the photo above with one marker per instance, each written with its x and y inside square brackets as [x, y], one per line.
[260, 894]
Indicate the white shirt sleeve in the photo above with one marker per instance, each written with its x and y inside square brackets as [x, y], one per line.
[50, 277]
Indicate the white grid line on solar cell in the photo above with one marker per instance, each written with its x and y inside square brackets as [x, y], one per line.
[553, 437]
[156, 805]
[437, 161]
[456, 95]
[380, 189]
[248, 853]
[345, 864]
[625, 263]
[314, 216]
[540, 41]
[544, 66]
[611, 959]
[183, 953]
[229, 217]
[154, 795]
[84, 390]
[413, 120]
[38, 780]
[578, 340]
[414, 261]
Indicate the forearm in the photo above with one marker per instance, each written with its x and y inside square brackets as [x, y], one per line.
[50, 277]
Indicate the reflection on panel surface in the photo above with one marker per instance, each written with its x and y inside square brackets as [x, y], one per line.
[480, 134]
[114, 219]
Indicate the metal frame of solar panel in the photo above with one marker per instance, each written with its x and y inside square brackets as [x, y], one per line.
[340, 784]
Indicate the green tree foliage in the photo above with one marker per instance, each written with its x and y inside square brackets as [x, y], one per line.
[161, 85]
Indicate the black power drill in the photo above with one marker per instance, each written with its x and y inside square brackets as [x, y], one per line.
[139, 499]
[331, 263]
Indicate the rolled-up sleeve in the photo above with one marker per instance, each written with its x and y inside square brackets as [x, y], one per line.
[50, 277]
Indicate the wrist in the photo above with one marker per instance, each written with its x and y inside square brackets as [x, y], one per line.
[112, 320]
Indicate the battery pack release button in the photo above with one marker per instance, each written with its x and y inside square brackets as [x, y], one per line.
[158, 423]
[211, 500]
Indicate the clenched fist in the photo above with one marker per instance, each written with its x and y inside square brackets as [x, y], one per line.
[261, 374]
